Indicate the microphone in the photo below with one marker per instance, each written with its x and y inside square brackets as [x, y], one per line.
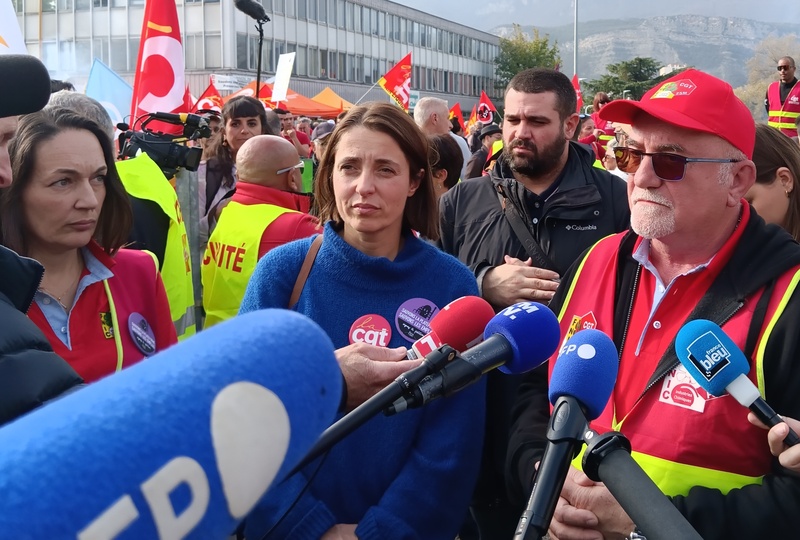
[460, 324]
[25, 86]
[252, 9]
[516, 340]
[717, 365]
[581, 382]
[181, 445]
[179, 118]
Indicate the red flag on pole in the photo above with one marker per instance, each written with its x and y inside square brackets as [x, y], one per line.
[159, 84]
[209, 100]
[576, 84]
[485, 109]
[397, 82]
[455, 112]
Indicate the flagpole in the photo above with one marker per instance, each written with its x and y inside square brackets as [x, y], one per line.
[365, 93]
[575, 40]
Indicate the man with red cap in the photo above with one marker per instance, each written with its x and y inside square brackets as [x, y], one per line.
[697, 250]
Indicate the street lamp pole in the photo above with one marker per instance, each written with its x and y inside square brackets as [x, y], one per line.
[575, 40]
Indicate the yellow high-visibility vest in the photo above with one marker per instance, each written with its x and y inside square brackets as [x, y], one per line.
[144, 180]
[231, 257]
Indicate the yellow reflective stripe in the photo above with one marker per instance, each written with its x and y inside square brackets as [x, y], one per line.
[605, 137]
[785, 114]
[114, 321]
[782, 125]
[678, 478]
[575, 280]
[762, 346]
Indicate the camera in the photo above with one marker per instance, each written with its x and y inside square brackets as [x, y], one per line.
[168, 151]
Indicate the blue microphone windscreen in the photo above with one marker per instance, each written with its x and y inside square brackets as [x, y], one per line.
[181, 445]
[531, 329]
[586, 369]
[709, 355]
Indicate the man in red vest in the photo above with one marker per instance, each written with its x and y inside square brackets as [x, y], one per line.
[783, 99]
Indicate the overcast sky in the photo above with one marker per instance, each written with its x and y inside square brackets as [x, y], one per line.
[486, 14]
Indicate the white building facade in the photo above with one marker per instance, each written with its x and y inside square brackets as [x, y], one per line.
[345, 44]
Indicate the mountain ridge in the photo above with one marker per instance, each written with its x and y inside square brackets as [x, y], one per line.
[718, 45]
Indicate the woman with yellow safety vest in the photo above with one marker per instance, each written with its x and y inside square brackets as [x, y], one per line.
[101, 307]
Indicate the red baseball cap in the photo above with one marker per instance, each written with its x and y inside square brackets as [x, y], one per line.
[692, 100]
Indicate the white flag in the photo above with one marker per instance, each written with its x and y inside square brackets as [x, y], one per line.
[11, 41]
[282, 76]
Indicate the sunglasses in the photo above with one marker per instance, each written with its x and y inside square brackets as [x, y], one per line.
[606, 102]
[300, 166]
[670, 167]
[785, 68]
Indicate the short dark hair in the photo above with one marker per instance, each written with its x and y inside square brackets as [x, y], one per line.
[539, 80]
[34, 132]
[446, 155]
[278, 110]
[420, 209]
[57, 85]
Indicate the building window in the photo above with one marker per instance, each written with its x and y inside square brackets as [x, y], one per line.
[313, 62]
[193, 51]
[100, 3]
[291, 8]
[213, 51]
[357, 19]
[18, 5]
[119, 54]
[312, 9]
[65, 5]
[241, 50]
[302, 9]
[278, 7]
[278, 49]
[301, 61]
[83, 52]
[48, 6]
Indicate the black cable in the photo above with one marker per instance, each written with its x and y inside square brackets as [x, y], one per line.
[299, 496]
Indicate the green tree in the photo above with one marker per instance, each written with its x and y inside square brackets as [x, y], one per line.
[628, 79]
[518, 53]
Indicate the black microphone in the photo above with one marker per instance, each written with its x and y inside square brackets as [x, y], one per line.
[251, 9]
[179, 118]
[510, 343]
[580, 385]
[25, 85]
[608, 459]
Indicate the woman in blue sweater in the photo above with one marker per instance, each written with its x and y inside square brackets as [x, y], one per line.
[408, 476]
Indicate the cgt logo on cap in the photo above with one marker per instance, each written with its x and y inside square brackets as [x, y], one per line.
[672, 89]
[708, 355]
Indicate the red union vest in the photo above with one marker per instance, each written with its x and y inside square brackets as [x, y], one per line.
[783, 117]
[677, 447]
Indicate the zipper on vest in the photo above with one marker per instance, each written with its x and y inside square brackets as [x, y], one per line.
[630, 312]
[661, 375]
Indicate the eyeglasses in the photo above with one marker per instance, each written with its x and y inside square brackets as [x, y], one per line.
[670, 167]
[785, 68]
[300, 166]
[604, 102]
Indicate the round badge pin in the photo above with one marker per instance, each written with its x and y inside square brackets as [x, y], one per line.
[413, 318]
[142, 334]
[372, 329]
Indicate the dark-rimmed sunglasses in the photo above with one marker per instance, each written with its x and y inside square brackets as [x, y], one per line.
[785, 68]
[670, 167]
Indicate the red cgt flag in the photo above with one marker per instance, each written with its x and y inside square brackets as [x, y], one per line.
[397, 82]
[209, 100]
[159, 84]
[576, 84]
[455, 112]
[485, 109]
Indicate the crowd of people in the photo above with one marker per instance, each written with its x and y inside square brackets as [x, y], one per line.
[632, 220]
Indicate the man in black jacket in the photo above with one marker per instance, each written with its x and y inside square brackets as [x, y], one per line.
[519, 232]
[30, 372]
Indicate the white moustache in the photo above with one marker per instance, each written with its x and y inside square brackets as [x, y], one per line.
[651, 196]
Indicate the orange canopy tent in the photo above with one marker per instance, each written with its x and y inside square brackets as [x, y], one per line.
[298, 104]
[332, 99]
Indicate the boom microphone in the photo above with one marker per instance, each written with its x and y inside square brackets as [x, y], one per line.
[717, 365]
[24, 86]
[460, 324]
[516, 340]
[582, 380]
[181, 445]
[251, 9]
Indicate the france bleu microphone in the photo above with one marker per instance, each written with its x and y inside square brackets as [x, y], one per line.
[181, 445]
[516, 340]
[581, 383]
[24, 86]
[718, 366]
